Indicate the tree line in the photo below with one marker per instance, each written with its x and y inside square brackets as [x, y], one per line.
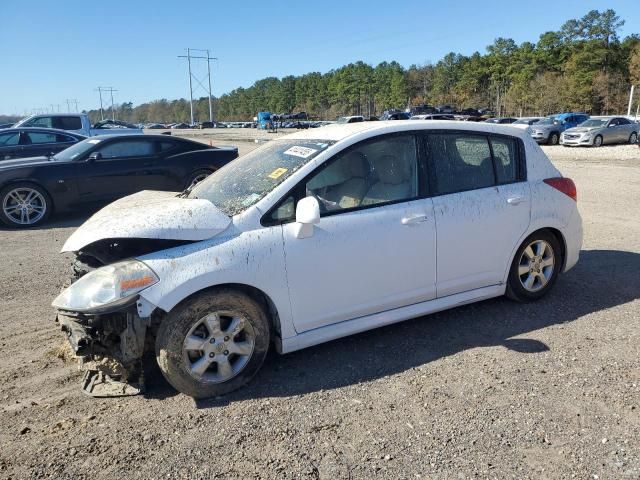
[583, 66]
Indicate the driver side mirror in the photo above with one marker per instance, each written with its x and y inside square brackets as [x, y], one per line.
[307, 215]
[95, 156]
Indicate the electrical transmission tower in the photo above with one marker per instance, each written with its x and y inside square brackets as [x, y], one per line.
[192, 77]
[69, 102]
[109, 90]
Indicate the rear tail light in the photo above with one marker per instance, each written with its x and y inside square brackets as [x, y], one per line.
[565, 185]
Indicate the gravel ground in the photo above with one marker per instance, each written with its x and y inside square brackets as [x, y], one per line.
[491, 390]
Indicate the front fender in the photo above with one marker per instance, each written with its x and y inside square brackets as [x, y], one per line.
[254, 258]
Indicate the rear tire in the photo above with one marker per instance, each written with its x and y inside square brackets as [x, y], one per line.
[535, 267]
[213, 343]
[196, 177]
[633, 138]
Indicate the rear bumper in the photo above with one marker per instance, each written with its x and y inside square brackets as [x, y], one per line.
[573, 238]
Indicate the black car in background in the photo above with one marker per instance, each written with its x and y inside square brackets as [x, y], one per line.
[33, 142]
[501, 120]
[99, 170]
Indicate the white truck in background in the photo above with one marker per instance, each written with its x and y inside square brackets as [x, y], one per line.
[78, 123]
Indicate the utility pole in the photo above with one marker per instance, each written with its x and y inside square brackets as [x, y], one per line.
[110, 90]
[192, 77]
[630, 100]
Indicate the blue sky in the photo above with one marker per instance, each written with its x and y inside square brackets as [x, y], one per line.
[58, 50]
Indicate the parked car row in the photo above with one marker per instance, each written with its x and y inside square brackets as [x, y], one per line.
[350, 207]
[97, 170]
[78, 123]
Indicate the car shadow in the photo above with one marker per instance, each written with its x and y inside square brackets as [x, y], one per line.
[602, 279]
[66, 220]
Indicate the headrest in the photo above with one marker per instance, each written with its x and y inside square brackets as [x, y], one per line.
[392, 170]
[332, 175]
[357, 164]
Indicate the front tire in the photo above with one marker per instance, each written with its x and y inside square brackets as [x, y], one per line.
[597, 142]
[24, 205]
[554, 139]
[535, 267]
[213, 343]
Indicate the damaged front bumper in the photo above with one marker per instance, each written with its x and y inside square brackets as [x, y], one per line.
[116, 342]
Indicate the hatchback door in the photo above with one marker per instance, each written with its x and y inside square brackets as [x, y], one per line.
[374, 248]
[481, 210]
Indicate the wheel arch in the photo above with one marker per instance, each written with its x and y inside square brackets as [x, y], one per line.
[556, 232]
[256, 294]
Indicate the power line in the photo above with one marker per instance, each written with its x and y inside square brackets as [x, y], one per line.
[192, 77]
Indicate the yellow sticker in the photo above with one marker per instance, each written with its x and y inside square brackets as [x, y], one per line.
[278, 172]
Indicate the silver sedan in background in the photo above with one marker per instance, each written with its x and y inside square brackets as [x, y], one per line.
[599, 131]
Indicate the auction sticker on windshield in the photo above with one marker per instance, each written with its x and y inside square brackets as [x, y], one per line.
[302, 152]
[278, 172]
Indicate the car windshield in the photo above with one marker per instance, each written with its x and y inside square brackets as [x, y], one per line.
[593, 122]
[546, 121]
[246, 180]
[76, 151]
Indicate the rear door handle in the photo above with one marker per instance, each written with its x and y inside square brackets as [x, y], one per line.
[414, 219]
[515, 200]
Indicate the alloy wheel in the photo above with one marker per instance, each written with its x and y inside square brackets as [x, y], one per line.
[218, 346]
[197, 179]
[536, 265]
[24, 206]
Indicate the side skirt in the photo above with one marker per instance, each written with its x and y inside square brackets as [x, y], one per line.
[361, 324]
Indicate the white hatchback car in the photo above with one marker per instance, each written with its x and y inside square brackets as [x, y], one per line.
[315, 236]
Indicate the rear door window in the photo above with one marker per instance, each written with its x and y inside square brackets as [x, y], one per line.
[37, 138]
[505, 153]
[9, 139]
[459, 162]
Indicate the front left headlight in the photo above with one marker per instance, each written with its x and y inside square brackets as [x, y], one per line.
[106, 288]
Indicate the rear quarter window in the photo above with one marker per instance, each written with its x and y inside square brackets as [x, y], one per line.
[67, 123]
[505, 154]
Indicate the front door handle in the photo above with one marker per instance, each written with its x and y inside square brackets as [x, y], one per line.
[414, 219]
[516, 200]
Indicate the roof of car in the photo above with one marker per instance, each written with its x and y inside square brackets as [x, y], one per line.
[42, 130]
[337, 132]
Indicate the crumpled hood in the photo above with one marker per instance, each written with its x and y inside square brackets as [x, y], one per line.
[152, 215]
